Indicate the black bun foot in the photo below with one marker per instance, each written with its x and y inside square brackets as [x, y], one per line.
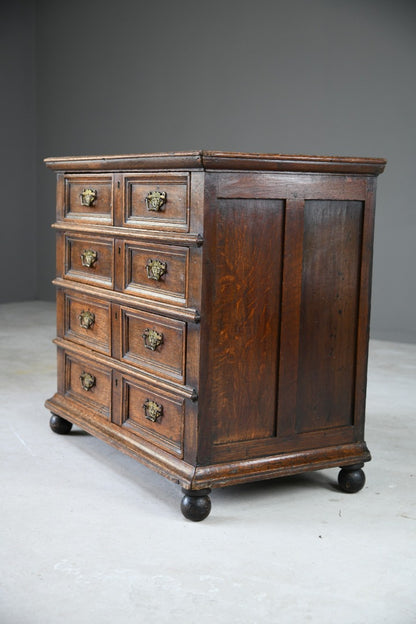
[59, 424]
[351, 479]
[196, 504]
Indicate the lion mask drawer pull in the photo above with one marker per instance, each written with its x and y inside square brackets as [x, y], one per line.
[88, 257]
[152, 339]
[87, 381]
[86, 319]
[88, 197]
[156, 269]
[155, 200]
[152, 410]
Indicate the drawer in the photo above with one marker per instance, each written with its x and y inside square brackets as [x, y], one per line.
[87, 199]
[155, 271]
[153, 343]
[154, 415]
[87, 321]
[156, 202]
[89, 259]
[88, 382]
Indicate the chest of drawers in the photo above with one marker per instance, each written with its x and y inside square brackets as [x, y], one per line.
[213, 312]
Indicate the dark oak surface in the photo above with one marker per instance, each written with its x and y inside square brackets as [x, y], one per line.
[328, 314]
[259, 315]
[244, 318]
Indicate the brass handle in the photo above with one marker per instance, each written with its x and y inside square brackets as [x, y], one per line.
[155, 200]
[152, 410]
[88, 197]
[155, 269]
[86, 319]
[152, 339]
[88, 257]
[87, 381]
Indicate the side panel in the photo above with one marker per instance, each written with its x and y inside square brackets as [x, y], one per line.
[332, 242]
[241, 309]
[285, 302]
[245, 319]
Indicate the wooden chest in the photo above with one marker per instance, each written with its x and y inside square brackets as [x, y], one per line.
[213, 312]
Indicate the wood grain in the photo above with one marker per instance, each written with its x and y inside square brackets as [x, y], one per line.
[329, 314]
[168, 359]
[244, 319]
[98, 336]
[98, 397]
[171, 287]
[101, 273]
[70, 207]
[167, 431]
[174, 214]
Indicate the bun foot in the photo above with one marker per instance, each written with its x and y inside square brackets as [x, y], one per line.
[196, 504]
[59, 424]
[351, 479]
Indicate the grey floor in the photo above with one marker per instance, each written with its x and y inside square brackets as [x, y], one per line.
[90, 536]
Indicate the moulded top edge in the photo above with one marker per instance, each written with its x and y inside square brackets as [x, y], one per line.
[210, 160]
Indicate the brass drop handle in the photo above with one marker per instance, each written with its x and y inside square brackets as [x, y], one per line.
[87, 381]
[152, 410]
[155, 200]
[86, 319]
[156, 269]
[88, 257]
[152, 339]
[88, 197]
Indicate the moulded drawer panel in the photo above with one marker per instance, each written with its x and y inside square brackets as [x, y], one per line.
[156, 271]
[87, 320]
[87, 199]
[89, 259]
[156, 202]
[88, 382]
[154, 415]
[153, 343]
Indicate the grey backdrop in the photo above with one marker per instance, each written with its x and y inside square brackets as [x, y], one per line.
[299, 76]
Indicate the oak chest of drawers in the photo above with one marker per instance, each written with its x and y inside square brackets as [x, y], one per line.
[213, 312]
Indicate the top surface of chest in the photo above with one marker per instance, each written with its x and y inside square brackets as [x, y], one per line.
[212, 160]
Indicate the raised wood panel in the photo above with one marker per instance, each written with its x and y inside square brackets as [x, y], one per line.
[101, 211]
[166, 359]
[243, 312]
[332, 242]
[173, 215]
[97, 336]
[102, 270]
[171, 287]
[98, 397]
[167, 431]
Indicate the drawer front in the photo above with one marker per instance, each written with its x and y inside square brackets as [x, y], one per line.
[87, 199]
[156, 202]
[88, 382]
[155, 271]
[153, 342]
[154, 415]
[89, 259]
[87, 320]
